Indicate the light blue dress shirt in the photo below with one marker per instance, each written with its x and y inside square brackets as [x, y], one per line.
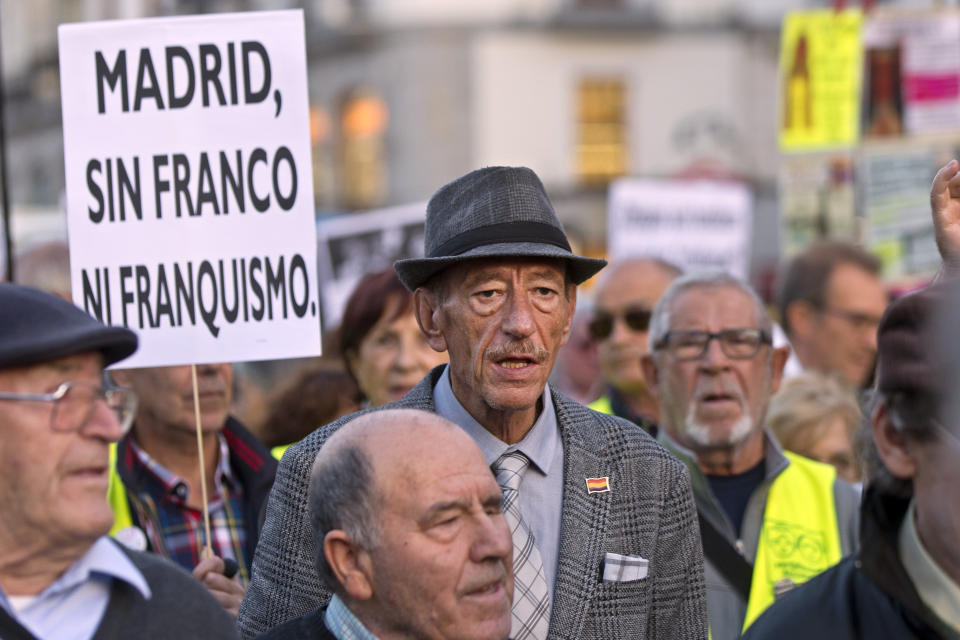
[71, 607]
[541, 490]
[343, 624]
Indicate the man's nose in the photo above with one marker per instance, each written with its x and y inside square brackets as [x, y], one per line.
[870, 337]
[621, 332]
[519, 317]
[103, 423]
[492, 539]
[714, 359]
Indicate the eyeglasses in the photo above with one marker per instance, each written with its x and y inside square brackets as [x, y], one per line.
[74, 402]
[859, 321]
[739, 344]
[637, 319]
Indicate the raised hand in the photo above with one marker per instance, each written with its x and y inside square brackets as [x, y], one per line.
[945, 207]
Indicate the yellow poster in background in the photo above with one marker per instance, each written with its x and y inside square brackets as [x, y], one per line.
[821, 59]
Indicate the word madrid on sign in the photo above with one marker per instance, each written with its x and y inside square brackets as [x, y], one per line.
[189, 184]
[208, 62]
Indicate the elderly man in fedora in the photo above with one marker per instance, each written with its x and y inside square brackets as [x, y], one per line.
[605, 539]
[60, 575]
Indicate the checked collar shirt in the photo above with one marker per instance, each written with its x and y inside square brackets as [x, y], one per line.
[180, 529]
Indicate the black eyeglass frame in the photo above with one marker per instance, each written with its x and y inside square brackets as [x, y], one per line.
[859, 321]
[763, 337]
[122, 401]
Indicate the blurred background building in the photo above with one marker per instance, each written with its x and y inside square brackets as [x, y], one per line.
[408, 94]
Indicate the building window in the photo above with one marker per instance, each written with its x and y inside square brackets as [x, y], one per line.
[601, 130]
[363, 124]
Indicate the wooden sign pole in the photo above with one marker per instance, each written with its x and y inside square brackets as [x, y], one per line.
[207, 547]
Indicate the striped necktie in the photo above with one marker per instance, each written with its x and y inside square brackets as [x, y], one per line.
[531, 602]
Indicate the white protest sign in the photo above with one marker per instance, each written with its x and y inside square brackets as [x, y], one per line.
[353, 245]
[694, 224]
[189, 185]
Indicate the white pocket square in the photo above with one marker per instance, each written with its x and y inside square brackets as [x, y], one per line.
[619, 568]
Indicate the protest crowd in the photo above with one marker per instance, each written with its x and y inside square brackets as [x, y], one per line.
[505, 438]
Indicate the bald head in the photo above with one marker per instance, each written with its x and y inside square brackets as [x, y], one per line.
[369, 453]
[382, 434]
[636, 269]
[411, 535]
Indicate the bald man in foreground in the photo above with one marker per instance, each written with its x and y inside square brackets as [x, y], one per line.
[410, 534]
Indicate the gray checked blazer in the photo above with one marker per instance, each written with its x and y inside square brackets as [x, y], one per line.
[649, 511]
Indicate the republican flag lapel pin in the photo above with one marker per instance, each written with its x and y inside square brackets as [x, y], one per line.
[598, 485]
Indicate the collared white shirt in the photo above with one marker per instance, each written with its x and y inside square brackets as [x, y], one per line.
[934, 586]
[541, 490]
[793, 366]
[71, 608]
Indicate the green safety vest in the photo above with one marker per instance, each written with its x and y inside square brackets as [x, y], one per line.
[799, 537]
[117, 496]
[602, 404]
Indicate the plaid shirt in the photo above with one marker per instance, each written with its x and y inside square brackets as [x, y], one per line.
[181, 531]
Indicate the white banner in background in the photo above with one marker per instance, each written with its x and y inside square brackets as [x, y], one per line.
[694, 224]
[355, 244]
[189, 184]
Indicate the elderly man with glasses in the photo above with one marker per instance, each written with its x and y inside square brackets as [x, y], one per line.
[625, 296]
[769, 519]
[60, 576]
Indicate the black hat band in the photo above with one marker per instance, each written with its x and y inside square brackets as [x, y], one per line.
[512, 232]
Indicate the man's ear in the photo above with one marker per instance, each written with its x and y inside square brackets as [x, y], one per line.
[349, 563]
[778, 360]
[571, 301]
[428, 312]
[650, 374]
[800, 315]
[894, 449]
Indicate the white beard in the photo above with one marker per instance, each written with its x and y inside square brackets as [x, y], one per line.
[700, 433]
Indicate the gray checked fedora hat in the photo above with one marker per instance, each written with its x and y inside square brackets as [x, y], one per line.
[495, 212]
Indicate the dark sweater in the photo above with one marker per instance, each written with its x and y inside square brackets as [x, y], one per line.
[308, 627]
[179, 607]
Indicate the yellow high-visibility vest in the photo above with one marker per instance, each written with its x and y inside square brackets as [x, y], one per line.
[799, 537]
[602, 404]
[117, 496]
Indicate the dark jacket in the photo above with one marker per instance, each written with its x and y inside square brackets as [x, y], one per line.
[868, 595]
[250, 460]
[178, 607]
[308, 627]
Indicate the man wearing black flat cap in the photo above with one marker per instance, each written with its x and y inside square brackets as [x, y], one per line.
[60, 576]
[604, 527]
